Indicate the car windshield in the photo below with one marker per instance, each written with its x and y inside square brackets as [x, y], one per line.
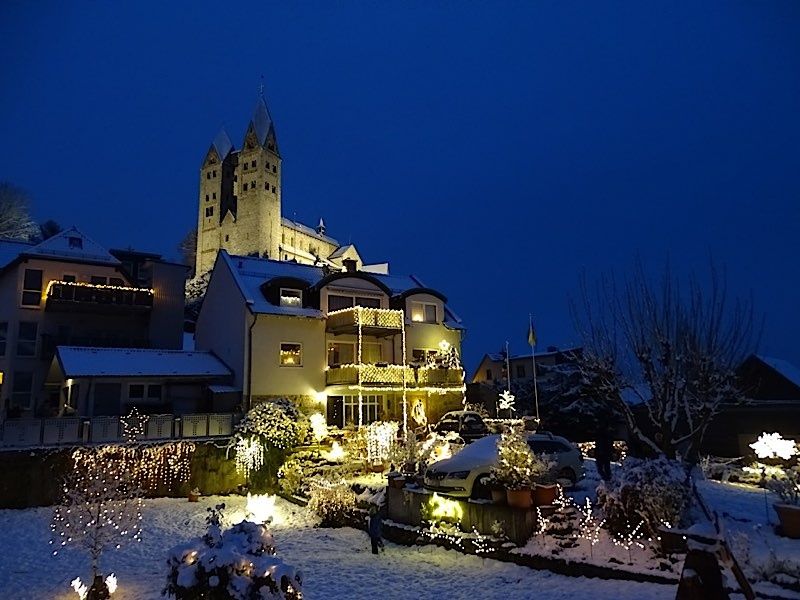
[482, 449]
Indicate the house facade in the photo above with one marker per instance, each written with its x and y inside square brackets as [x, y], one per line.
[335, 341]
[68, 290]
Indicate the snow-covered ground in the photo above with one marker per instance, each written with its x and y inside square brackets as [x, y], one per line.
[337, 563]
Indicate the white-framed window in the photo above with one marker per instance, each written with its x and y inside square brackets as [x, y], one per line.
[371, 405]
[423, 312]
[32, 287]
[291, 354]
[341, 353]
[291, 297]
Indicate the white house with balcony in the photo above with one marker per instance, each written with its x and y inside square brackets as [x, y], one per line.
[333, 341]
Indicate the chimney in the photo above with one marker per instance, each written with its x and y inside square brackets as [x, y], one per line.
[349, 265]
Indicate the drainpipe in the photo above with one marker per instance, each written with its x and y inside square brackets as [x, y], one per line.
[250, 361]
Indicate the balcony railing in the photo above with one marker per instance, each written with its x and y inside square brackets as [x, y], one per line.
[70, 431]
[370, 374]
[371, 321]
[439, 377]
[392, 375]
[89, 297]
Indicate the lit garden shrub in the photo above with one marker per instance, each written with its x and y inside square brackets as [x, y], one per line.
[334, 503]
[652, 492]
[290, 477]
[236, 564]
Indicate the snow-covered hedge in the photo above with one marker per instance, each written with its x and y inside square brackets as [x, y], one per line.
[290, 477]
[275, 423]
[236, 564]
[652, 492]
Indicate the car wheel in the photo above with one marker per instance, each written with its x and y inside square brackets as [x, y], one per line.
[568, 474]
[480, 488]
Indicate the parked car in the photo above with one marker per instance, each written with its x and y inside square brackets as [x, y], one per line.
[466, 474]
[467, 424]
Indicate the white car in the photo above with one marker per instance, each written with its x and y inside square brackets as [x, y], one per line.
[466, 474]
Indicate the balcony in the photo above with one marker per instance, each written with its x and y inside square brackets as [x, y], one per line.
[380, 374]
[74, 296]
[378, 322]
[440, 377]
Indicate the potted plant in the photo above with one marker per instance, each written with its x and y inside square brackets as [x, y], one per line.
[545, 489]
[788, 509]
[515, 468]
[194, 495]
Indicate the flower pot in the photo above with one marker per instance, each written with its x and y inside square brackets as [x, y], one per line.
[376, 468]
[194, 497]
[545, 495]
[518, 498]
[498, 495]
[789, 516]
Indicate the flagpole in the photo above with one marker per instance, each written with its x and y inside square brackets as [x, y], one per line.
[533, 363]
[508, 372]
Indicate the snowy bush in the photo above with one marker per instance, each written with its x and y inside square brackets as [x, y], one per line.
[787, 487]
[290, 477]
[334, 503]
[651, 492]
[236, 564]
[517, 466]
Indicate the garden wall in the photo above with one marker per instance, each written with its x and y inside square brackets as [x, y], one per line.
[405, 506]
[34, 477]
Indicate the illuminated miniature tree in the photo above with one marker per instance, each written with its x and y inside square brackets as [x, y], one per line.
[517, 466]
[100, 507]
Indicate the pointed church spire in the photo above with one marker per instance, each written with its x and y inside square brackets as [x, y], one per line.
[321, 227]
[222, 143]
[262, 120]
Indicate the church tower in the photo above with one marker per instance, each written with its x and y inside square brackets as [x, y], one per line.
[240, 194]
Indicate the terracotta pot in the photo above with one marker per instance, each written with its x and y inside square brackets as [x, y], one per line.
[518, 498]
[375, 468]
[789, 516]
[498, 495]
[545, 495]
[194, 497]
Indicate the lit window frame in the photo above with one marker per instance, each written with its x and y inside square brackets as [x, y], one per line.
[292, 291]
[422, 306]
[281, 352]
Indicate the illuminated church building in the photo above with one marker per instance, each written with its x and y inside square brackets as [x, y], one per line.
[240, 205]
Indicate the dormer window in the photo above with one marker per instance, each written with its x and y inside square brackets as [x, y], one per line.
[423, 312]
[75, 242]
[291, 297]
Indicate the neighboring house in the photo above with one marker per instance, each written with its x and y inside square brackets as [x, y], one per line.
[772, 389]
[240, 199]
[68, 290]
[112, 381]
[492, 367]
[331, 340]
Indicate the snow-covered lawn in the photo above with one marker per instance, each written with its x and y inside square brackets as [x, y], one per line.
[337, 563]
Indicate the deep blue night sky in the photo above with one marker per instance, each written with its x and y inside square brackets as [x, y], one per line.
[496, 150]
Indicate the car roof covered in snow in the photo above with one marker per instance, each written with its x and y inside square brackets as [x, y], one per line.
[133, 362]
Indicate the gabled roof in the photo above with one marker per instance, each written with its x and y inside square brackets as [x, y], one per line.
[71, 244]
[222, 144]
[784, 368]
[262, 121]
[128, 362]
[11, 249]
[250, 273]
[307, 230]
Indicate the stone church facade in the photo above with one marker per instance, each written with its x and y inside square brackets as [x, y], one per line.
[240, 204]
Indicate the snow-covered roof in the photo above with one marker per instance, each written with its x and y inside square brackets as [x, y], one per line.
[782, 367]
[251, 273]
[11, 249]
[296, 225]
[342, 250]
[73, 244]
[497, 356]
[129, 362]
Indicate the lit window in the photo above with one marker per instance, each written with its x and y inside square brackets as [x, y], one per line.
[26, 338]
[371, 352]
[423, 312]
[291, 354]
[291, 297]
[370, 408]
[32, 287]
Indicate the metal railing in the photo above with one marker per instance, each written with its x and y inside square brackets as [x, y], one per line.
[74, 431]
[366, 317]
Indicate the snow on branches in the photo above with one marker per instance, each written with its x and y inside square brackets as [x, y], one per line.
[271, 425]
[517, 466]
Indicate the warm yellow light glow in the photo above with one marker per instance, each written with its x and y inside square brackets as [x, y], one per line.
[444, 508]
[319, 429]
[336, 453]
[444, 346]
[249, 456]
[261, 508]
[99, 286]
[418, 413]
[380, 437]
